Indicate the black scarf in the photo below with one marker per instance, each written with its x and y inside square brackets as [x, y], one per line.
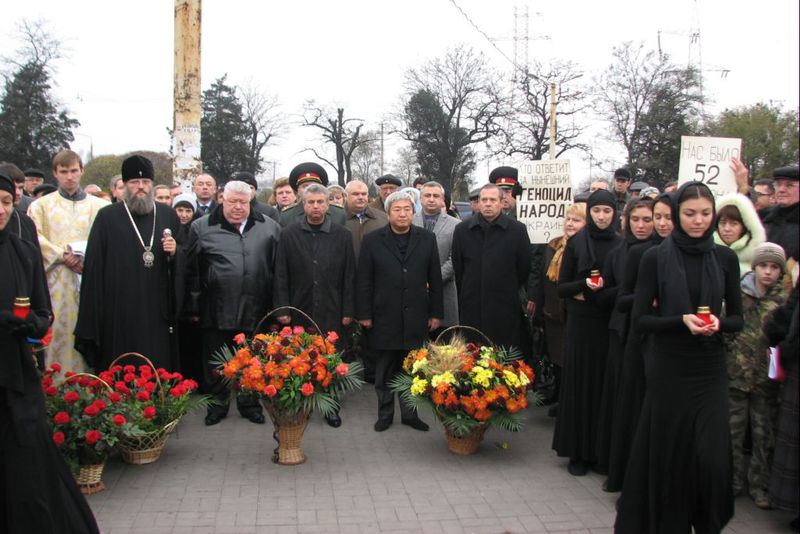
[587, 260]
[673, 292]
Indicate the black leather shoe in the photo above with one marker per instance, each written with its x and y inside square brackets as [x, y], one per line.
[255, 417]
[416, 424]
[334, 420]
[214, 418]
[577, 468]
[382, 424]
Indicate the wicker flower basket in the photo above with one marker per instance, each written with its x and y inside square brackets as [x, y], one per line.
[145, 449]
[289, 431]
[468, 444]
[89, 477]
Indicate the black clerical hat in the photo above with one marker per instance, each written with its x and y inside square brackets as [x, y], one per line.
[307, 172]
[136, 167]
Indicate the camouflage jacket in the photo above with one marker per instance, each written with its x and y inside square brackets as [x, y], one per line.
[747, 351]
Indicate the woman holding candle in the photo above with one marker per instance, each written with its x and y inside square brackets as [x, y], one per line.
[638, 218]
[679, 474]
[586, 347]
[37, 491]
[630, 392]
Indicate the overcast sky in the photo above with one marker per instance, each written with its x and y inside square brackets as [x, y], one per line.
[117, 78]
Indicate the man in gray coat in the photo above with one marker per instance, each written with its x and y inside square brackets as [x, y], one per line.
[434, 219]
[234, 250]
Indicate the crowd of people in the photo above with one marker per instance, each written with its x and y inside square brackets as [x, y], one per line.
[658, 310]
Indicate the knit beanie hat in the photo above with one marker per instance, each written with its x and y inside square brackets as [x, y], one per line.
[769, 252]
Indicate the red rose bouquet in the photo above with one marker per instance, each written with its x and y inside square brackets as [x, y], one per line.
[152, 398]
[86, 416]
[292, 370]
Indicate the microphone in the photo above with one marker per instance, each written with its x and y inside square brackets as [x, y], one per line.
[165, 234]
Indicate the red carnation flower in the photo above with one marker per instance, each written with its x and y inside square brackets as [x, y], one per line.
[119, 420]
[61, 418]
[129, 369]
[93, 436]
[56, 367]
[58, 438]
[129, 377]
[91, 410]
[150, 386]
[115, 397]
[52, 391]
[239, 338]
[307, 389]
[71, 396]
[101, 404]
[270, 391]
[149, 412]
[342, 369]
[143, 396]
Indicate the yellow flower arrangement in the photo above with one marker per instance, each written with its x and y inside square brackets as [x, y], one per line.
[444, 378]
[482, 376]
[418, 386]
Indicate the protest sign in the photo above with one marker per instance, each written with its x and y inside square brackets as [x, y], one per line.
[708, 159]
[546, 193]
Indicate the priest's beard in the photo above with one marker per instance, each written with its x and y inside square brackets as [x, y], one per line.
[139, 205]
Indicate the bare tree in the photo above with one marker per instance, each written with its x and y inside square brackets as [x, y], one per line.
[405, 165]
[526, 131]
[343, 134]
[40, 47]
[263, 120]
[649, 103]
[451, 104]
[366, 156]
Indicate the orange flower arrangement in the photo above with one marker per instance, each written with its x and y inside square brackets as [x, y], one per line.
[292, 369]
[466, 385]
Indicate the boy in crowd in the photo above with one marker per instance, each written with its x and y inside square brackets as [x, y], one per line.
[753, 395]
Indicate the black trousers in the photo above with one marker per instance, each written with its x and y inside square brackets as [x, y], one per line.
[213, 340]
[388, 363]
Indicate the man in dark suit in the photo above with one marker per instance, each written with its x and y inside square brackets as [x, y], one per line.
[205, 190]
[399, 298]
[491, 259]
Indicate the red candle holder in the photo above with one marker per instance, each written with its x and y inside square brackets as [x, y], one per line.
[22, 307]
[595, 277]
[704, 313]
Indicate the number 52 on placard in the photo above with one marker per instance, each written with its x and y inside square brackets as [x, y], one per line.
[708, 160]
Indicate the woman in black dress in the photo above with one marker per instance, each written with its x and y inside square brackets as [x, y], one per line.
[37, 491]
[638, 218]
[630, 393]
[586, 348]
[679, 474]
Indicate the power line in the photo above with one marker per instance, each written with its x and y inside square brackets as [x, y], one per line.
[488, 39]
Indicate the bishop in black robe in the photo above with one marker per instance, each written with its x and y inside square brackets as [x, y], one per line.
[126, 306]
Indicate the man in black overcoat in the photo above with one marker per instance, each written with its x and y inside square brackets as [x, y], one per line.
[399, 298]
[491, 259]
[783, 220]
[315, 271]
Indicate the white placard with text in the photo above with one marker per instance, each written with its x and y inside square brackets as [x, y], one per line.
[708, 159]
[546, 193]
